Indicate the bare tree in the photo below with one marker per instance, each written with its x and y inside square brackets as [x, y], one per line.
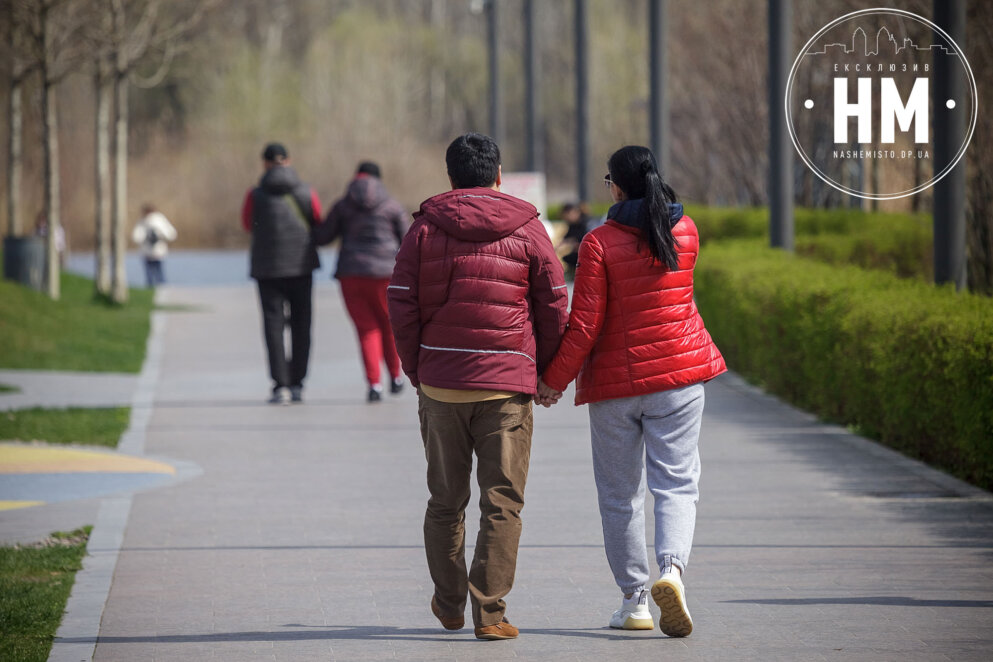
[53, 28]
[98, 34]
[20, 67]
[131, 41]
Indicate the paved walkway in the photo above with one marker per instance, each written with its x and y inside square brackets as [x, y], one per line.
[301, 540]
[55, 390]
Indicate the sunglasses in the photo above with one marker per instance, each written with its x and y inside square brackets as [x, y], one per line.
[607, 181]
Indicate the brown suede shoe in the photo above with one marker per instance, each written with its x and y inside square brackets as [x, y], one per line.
[447, 622]
[502, 630]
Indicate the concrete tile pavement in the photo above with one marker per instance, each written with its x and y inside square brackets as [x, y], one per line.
[58, 389]
[302, 538]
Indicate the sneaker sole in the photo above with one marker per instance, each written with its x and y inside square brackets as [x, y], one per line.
[675, 620]
[632, 623]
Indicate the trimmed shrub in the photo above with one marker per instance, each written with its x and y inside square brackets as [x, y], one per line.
[902, 246]
[902, 361]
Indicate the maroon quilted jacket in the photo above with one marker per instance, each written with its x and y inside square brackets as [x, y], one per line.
[634, 327]
[478, 299]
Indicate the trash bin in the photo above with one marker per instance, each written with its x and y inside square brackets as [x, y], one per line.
[24, 261]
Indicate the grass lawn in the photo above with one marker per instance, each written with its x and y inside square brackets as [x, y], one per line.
[78, 332]
[7, 388]
[95, 426]
[35, 581]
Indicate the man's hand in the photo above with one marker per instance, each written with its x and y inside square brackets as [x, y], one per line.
[546, 396]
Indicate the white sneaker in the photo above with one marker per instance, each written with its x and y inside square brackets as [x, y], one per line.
[670, 596]
[280, 396]
[633, 614]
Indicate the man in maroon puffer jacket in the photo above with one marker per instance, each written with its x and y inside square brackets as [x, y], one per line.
[478, 307]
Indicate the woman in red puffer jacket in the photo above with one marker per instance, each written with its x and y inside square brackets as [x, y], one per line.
[641, 352]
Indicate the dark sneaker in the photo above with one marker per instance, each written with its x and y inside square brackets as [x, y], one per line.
[280, 396]
[374, 395]
[447, 622]
[296, 394]
[502, 630]
[396, 386]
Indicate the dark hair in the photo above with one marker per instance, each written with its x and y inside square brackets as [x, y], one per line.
[368, 168]
[473, 160]
[274, 152]
[634, 170]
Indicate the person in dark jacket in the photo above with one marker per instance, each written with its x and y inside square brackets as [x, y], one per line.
[280, 213]
[371, 225]
[577, 223]
[478, 306]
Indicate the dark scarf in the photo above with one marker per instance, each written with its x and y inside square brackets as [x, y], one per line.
[628, 212]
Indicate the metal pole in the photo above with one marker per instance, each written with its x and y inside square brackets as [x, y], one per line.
[780, 147]
[496, 103]
[582, 101]
[531, 127]
[659, 106]
[949, 127]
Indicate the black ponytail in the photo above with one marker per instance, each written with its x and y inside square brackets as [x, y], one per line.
[636, 173]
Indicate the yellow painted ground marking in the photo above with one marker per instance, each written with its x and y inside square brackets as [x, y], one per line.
[12, 505]
[37, 459]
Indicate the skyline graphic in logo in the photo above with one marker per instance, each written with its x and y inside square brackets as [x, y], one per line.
[860, 103]
[881, 44]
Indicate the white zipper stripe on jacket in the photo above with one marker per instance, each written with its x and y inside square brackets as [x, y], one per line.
[559, 287]
[485, 197]
[479, 351]
[397, 287]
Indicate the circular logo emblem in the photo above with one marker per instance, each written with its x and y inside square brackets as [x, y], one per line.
[861, 103]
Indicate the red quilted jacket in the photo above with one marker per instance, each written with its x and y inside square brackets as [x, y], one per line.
[478, 299]
[634, 327]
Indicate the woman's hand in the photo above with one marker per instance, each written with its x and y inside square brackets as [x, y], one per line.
[546, 396]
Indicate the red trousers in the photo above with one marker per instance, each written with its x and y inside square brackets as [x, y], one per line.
[365, 299]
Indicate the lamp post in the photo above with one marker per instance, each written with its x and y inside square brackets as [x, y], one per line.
[659, 104]
[582, 100]
[780, 147]
[949, 193]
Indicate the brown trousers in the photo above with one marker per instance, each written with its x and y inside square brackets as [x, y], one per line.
[499, 432]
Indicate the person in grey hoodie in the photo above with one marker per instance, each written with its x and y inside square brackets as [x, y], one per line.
[370, 225]
[280, 213]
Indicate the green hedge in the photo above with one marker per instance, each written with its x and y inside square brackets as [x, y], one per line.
[895, 242]
[906, 251]
[902, 361]
[739, 222]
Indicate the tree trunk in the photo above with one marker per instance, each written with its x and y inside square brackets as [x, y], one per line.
[50, 137]
[119, 290]
[103, 92]
[119, 285]
[15, 160]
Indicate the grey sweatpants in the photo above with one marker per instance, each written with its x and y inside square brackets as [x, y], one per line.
[656, 434]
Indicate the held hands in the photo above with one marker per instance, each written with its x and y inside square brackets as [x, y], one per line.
[546, 396]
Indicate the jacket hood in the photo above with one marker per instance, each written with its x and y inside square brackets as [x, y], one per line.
[477, 214]
[279, 180]
[628, 213]
[367, 192]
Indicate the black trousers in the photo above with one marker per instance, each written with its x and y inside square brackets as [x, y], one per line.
[287, 302]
